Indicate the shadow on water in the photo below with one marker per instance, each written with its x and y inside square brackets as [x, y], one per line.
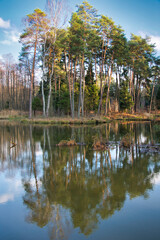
[76, 187]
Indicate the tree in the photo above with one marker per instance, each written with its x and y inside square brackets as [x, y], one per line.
[91, 91]
[36, 104]
[106, 27]
[87, 14]
[30, 39]
[76, 53]
[117, 49]
[140, 52]
[156, 77]
[57, 12]
[79, 63]
[125, 98]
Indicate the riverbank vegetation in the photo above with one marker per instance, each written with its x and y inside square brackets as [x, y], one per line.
[124, 118]
[85, 68]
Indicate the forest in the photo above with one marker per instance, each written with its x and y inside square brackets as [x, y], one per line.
[79, 66]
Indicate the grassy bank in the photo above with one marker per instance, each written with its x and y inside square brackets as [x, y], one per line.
[121, 117]
[68, 121]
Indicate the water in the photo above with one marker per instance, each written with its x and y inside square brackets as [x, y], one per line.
[50, 192]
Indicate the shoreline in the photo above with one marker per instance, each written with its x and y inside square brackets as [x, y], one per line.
[95, 120]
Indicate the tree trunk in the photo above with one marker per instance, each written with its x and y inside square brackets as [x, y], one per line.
[32, 79]
[80, 90]
[83, 82]
[50, 90]
[73, 88]
[69, 80]
[117, 95]
[150, 107]
[107, 98]
[96, 68]
[101, 97]
[138, 95]
[132, 91]
[43, 98]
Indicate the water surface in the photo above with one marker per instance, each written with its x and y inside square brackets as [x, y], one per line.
[50, 192]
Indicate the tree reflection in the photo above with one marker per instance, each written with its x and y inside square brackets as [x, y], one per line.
[75, 187]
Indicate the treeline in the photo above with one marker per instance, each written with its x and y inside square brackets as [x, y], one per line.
[14, 85]
[88, 67]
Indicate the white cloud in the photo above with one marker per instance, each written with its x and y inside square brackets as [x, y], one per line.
[156, 40]
[11, 36]
[14, 36]
[4, 24]
[5, 42]
[153, 39]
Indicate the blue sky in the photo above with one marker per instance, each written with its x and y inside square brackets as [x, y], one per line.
[141, 17]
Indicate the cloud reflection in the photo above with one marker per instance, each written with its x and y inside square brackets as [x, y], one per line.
[12, 189]
[156, 179]
[6, 198]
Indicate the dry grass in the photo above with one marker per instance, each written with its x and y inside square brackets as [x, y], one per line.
[69, 143]
[99, 145]
[158, 119]
[11, 113]
[121, 116]
[126, 141]
[65, 120]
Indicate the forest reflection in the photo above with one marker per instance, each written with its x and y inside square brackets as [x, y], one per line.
[75, 187]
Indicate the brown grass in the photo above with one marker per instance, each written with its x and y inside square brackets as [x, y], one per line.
[12, 113]
[99, 145]
[65, 120]
[126, 141]
[67, 143]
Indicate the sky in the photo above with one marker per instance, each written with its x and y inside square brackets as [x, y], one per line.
[141, 17]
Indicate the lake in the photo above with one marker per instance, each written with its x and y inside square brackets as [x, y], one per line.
[50, 192]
